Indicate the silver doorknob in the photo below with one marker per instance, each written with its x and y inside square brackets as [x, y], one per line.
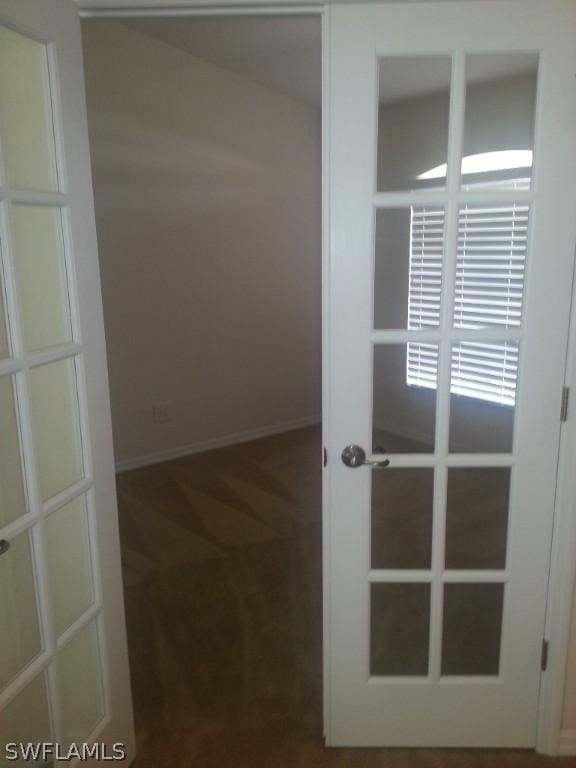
[355, 456]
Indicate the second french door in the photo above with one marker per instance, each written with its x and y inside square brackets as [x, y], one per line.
[451, 257]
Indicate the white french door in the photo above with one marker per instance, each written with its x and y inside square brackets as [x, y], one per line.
[452, 191]
[63, 660]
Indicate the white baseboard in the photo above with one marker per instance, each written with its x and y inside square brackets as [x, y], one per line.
[567, 746]
[216, 442]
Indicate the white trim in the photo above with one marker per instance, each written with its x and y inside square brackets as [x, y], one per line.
[326, 396]
[224, 441]
[311, 10]
[567, 746]
[166, 6]
[113, 9]
[559, 608]
[209, 7]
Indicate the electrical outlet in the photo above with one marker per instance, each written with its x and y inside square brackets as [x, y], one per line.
[161, 412]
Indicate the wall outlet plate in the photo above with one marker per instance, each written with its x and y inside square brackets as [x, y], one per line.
[161, 413]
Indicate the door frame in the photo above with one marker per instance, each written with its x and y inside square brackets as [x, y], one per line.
[562, 566]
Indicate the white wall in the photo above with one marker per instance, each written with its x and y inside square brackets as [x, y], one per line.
[207, 192]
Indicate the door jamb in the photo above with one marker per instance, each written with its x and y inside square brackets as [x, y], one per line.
[562, 568]
[562, 571]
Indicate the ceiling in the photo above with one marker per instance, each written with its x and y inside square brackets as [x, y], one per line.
[282, 53]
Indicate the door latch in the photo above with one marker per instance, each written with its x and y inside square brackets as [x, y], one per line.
[355, 456]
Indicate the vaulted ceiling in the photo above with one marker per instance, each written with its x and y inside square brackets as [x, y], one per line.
[279, 52]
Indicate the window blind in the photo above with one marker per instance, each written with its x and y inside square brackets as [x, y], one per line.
[489, 285]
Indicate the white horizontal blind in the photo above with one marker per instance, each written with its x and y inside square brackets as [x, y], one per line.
[485, 371]
[490, 266]
[425, 283]
[492, 241]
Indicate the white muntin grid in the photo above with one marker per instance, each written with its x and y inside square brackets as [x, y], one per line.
[18, 366]
[445, 336]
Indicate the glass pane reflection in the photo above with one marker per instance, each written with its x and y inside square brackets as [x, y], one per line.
[499, 120]
[20, 638]
[399, 629]
[409, 252]
[26, 719]
[404, 405]
[414, 105]
[477, 517]
[472, 628]
[79, 676]
[25, 121]
[55, 422]
[401, 534]
[483, 396]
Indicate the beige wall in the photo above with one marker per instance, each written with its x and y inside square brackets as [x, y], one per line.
[207, 192]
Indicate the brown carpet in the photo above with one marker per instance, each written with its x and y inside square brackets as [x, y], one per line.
[222, 568]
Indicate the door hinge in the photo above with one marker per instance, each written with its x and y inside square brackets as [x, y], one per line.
[544, 657]
[325, 457]
[564, 404]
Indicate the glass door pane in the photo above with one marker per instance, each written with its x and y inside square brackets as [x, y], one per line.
[20, 635]
[401, 531]
[399, 629]
[25, 112]
[413, 112]
[55, 422]
[499, 120]
[472, 629]
[80, 685]
[404, 398]
[477, 517]
[41, 273]
[69, 563]
[12, 495]
[408, 267]
[26, 719]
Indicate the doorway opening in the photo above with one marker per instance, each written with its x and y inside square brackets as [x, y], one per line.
[219, 495]
[205, 141]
